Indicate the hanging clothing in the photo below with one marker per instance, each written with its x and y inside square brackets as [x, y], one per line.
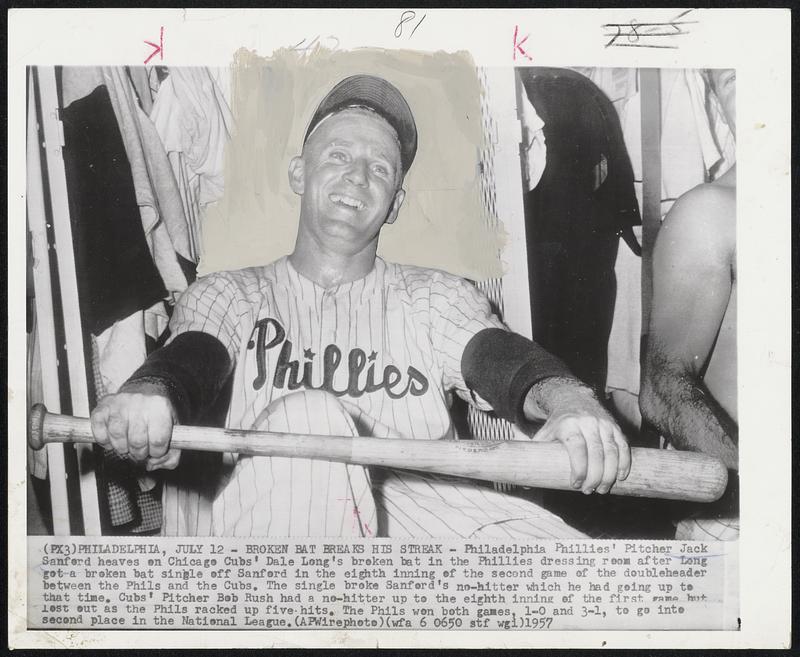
[626, 328]
[120, 351]
[618, 84]
[160, 208]
[723, 135]
[697, 145]
[534, 145]
[139, 77]
[133, 500]
[624, 340]
[117, 275]
[194, 122]
[575, 216]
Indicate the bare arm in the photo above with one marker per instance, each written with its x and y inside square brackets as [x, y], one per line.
[692, 282]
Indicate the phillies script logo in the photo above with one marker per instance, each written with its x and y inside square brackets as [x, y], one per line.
[288, 372]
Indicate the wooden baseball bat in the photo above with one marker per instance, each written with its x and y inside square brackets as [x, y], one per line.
[656, 473]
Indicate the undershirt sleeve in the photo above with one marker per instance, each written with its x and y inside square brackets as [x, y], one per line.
[191, 370]
[502, 367]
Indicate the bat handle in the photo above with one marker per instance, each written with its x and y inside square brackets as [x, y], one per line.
[45, 428]
[36, 426]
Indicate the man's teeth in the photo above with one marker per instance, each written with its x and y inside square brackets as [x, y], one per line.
[347, 200]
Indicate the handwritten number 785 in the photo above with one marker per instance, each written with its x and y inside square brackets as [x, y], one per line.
[406, 17]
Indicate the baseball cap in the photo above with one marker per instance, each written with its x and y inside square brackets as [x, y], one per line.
[378, 95]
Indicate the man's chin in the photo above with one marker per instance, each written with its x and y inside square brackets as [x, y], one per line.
[339, 230]
[344, 234]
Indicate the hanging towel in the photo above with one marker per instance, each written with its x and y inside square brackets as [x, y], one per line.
[626, 326]
[625, 337]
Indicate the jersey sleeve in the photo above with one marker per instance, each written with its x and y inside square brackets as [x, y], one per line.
[209, 305]
[459, 311]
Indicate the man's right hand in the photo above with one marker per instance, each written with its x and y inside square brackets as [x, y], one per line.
[137, 425]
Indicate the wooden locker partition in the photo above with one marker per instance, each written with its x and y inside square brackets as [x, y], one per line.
[650, 90]
[54, 196]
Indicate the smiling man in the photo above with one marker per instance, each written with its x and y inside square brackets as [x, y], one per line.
[333, 339]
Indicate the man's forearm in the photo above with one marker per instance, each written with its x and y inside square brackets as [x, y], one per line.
[502, 366]
[190, 371]
[678, 405]
[557, 392]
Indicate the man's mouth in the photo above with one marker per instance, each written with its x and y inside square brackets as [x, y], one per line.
[347, 201]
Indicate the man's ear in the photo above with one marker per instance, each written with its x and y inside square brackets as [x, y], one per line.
[297, 175]
[399, 195]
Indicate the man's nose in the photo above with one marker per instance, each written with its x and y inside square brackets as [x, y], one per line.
[357, 172]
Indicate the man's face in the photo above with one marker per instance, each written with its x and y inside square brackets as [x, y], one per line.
[349, 179]
[723, 81]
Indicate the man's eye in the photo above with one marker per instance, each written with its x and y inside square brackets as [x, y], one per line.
[381, 170]
[338, 155]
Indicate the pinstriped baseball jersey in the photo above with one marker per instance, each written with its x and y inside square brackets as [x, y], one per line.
[388, 346]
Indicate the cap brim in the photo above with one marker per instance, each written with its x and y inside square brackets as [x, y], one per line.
[381, 97]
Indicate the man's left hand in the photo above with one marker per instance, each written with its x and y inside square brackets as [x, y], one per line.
[598, 451]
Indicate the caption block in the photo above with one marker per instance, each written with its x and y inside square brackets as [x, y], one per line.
[379, 584]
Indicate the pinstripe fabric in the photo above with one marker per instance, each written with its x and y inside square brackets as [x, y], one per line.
[295, 497]
[707, 529]
[700, 528]
[388, 349]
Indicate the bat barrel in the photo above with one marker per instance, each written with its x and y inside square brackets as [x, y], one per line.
[675, 475]
[655, 473]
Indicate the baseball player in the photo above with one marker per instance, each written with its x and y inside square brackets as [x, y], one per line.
[333, 339]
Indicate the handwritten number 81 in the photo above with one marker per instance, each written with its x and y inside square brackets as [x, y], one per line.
[406, 17]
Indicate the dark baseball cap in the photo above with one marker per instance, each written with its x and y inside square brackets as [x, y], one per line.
[381, 97]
